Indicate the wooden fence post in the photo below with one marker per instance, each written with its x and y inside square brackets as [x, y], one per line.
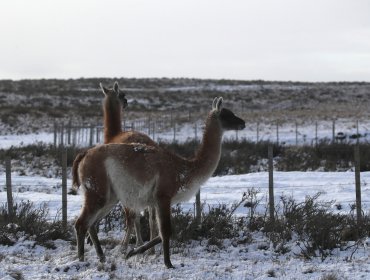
[149, 125]
[97, 134]
[174, 132]
[55, 134]
[74, 136]
[198, 213]
[62, 135]
[69, 131]
[9, 193]
[271, 182]
[258, 132]
[316, 127]
[277, 133]
[153, 130]
[196, 132]
[333, 131]
[296, 134]
[91, 135]
[79, 134]
[64, 187]
[358, 185]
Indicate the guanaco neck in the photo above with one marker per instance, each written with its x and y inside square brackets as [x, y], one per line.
[209, 152]
[112, 119]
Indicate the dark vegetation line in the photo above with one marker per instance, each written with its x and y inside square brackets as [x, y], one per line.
[238, 157]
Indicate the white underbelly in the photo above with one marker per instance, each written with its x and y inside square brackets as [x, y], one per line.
[132, 194]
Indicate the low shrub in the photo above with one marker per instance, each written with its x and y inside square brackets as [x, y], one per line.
[318, 231]
[30, 222]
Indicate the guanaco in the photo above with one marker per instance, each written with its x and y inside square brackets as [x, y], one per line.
[140, 175]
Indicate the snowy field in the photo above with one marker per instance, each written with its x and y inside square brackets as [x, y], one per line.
[196, 261]
[256, 260]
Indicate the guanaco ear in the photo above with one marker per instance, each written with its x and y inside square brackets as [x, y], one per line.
[116, 87]
[214, 103]
[104, 90]
[219, 104]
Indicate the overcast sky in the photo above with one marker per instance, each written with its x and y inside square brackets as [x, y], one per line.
[311, 40]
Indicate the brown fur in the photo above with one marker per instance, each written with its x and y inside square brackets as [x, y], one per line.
[140, 176]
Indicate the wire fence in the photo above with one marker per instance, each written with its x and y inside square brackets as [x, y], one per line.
[172, 129]
[54, 191]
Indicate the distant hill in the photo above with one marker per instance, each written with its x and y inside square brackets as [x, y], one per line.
[33, 105]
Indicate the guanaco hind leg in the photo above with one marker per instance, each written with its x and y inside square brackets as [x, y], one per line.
[96, 242]
[164, 225]
[153, 227]
[139, 239]
[86, 222]
[126, 239]
[132, 221]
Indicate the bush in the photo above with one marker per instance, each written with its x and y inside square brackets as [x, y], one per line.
[30, 222]
[318, 230]
[238, 157]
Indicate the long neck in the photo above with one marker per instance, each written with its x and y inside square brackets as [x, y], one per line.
[112, 119]
[209, 152]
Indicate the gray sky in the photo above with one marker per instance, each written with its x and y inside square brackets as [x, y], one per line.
[311, 40]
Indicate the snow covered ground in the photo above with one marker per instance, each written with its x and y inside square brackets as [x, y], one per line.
[256, 260]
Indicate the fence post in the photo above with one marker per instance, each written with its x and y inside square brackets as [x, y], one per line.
[333, 131]
[97, 134]
[74, 136]
[277, 133]
[174, 132]
[78, 131]
[62, 135]
[91, 135]
[55, 134]
[296, 134]
[64, 187]
[271, 182]
[358, 185]
[149, 125]
[196, 132]
[258, 132]
[9, 193]
[316, 127]
[69, 131]
[198, 214]
[153, 130]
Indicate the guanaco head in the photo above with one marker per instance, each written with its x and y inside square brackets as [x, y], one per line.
[115, 94]
[227, 118]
